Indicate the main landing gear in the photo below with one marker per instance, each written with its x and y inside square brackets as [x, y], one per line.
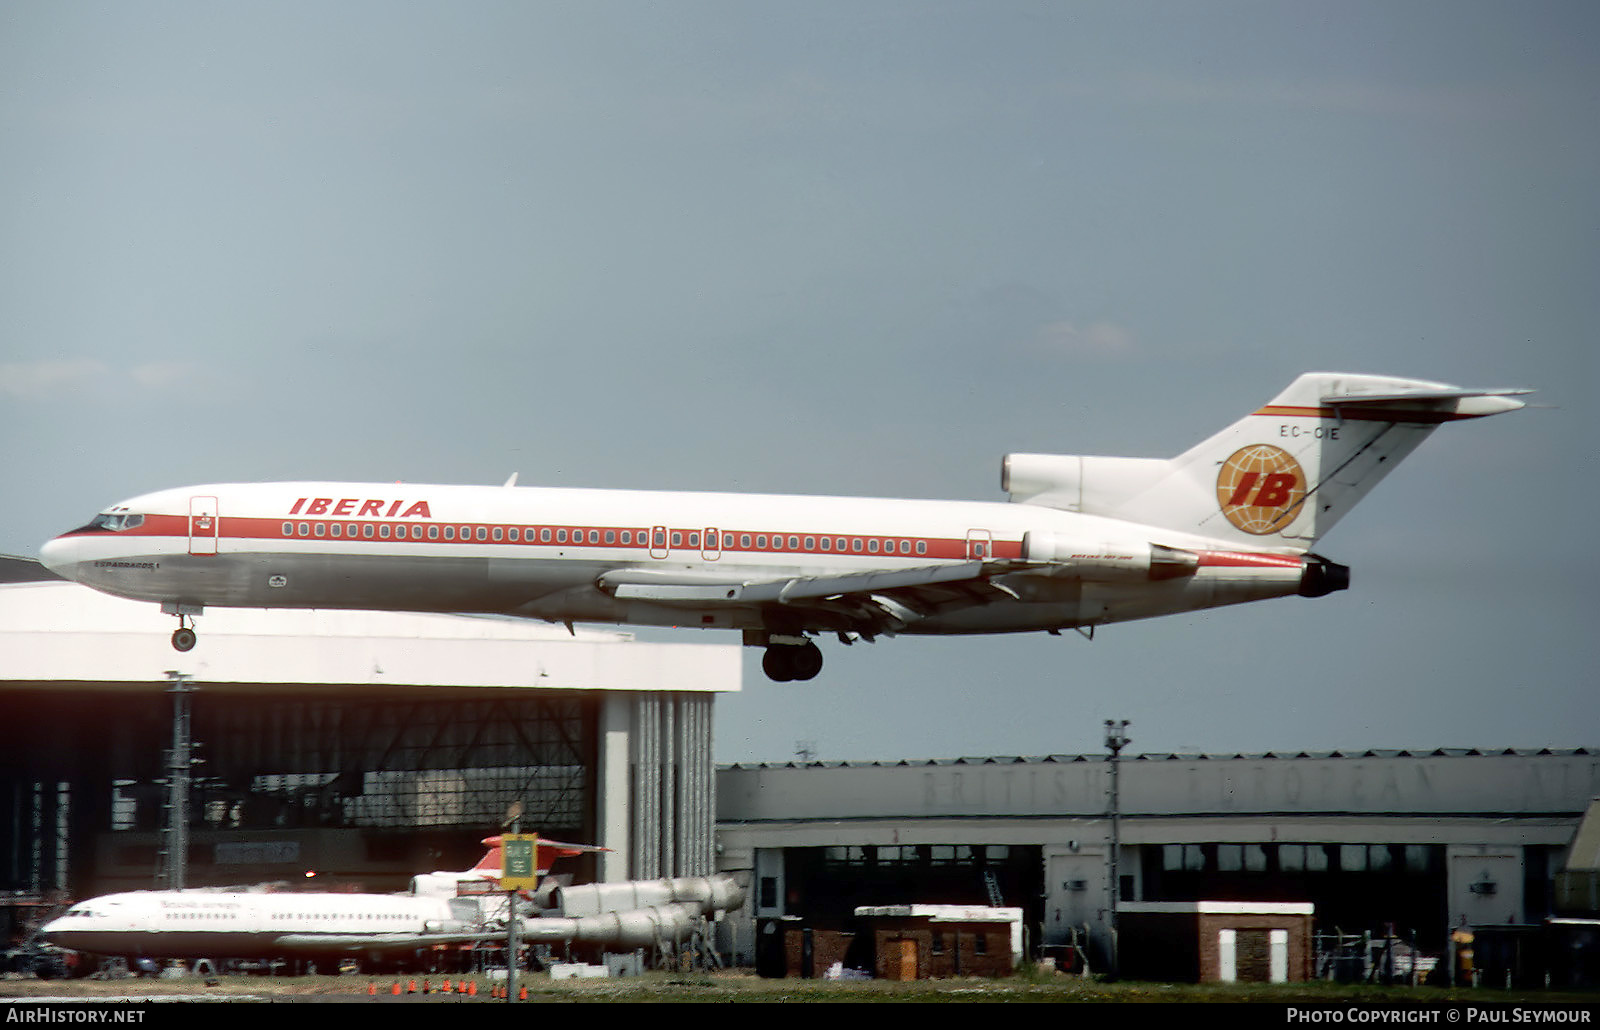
[183, 638]
[785, 662]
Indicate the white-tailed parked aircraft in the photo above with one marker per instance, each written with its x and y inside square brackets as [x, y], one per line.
[274, 924]
[1084, 541]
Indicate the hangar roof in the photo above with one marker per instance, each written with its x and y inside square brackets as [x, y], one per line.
[1438, 752]
[1445, 781]
[56, 635]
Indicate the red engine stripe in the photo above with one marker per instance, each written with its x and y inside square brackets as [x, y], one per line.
[1247, 559]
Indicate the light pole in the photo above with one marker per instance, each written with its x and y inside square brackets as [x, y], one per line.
[1116, 740]
[179, 760]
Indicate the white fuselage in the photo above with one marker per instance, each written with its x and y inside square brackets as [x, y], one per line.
[557, 554]
[186, 924]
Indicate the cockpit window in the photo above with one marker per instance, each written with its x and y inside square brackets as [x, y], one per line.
[116, 522]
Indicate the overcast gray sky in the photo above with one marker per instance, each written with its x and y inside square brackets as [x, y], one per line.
[856, 248]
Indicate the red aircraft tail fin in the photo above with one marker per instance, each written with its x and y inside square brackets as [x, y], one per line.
[549, 851]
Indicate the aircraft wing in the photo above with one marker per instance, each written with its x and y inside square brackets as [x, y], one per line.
[889, 610]
[379, 942]
[530, 931]
[865, 602]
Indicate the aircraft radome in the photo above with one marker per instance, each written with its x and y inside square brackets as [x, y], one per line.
[1082, 541]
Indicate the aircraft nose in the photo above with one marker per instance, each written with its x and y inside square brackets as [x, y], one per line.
[56, 555]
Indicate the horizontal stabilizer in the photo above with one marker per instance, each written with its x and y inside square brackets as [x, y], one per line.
[1428, 395]
[1436, 403]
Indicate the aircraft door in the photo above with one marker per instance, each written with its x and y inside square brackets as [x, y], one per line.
[711, 544]
[980, 544]
[204, 524]
[658, 541]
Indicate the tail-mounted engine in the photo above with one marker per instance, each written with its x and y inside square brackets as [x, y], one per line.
[1094, 558]
[1322, 577]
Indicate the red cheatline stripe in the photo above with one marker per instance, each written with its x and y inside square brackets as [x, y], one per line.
[353, 532]
[1248, 559]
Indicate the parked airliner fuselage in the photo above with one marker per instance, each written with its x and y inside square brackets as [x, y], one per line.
[185, 924]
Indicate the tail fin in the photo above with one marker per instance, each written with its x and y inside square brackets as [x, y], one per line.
[1282, 476]
[549, 851]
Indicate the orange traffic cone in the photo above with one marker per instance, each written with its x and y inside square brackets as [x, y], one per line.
[396, 988]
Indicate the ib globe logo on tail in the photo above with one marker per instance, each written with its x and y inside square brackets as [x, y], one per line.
[1260, 489]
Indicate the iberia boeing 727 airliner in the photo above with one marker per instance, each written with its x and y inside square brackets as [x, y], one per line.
[1084, 541]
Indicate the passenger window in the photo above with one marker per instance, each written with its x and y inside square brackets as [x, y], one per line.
[499, 534]
[744, 540]
[677, 538]
[811, 543]
[827, 543]
[905, 547]
[544, 536]
[872, 546]
[694, 539]
[855, 543]
[483, 534]
[922, 547]
[594, 536]
[761, 542]
[305, 529]
[513, 534]
[611, 536]
[449, 532]
[288, 529]
[321, 529]
[561, 536]
[383, 531]
[627, 537]
[794, 543]
[366, 530]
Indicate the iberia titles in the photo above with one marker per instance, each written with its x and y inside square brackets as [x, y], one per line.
[372, 508]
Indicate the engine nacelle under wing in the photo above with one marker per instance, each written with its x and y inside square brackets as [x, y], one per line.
[1096, 558]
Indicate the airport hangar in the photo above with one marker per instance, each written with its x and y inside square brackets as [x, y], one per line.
[1417, 840]
[364, 746]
